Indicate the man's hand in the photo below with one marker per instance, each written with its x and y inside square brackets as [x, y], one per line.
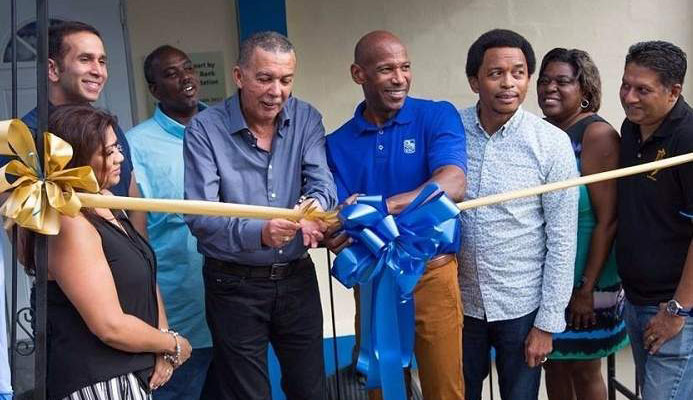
[581, 309]
[278, 232]
[335, 238]
[662, 327]
[312, 229]
[538, 345]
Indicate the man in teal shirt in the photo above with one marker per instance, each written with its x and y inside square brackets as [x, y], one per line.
[157, 151]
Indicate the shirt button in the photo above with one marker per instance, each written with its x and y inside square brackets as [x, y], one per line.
[281, 251]
[270, 166]
[380, 132]
[380, 147]
[639, 155]
[274, 195]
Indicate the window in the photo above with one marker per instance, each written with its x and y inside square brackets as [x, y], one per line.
[27, 36]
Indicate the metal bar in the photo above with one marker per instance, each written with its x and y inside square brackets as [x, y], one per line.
[611, 376]
[613, 385]
[625, 391]
[129, 62]
[13, 309]
[13, 312]
[334, 326]
[41, 256]
[490, 378]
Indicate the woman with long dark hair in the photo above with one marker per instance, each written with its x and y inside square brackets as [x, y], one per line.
[107, 333]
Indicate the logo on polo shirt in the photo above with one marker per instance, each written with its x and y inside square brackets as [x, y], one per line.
[661, 153]
[409, 146]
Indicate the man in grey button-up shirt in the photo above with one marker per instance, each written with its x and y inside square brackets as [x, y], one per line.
[517, 258]
[260, 147]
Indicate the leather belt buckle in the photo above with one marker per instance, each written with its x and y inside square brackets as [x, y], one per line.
[279, 271]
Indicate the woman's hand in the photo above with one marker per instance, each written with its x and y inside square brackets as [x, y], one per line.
[162, 372]
[581, 313]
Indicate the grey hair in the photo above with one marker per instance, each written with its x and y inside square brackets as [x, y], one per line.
[268, 41]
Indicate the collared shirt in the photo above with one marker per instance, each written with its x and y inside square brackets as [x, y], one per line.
[223, 163]
[157, 153]
[121, 188]
[519, 255]
[400, 155]
[655, 209]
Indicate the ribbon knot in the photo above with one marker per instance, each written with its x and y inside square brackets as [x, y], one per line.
[39, 195]
[387, 260]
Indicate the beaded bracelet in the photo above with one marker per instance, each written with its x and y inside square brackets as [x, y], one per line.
[174, 359]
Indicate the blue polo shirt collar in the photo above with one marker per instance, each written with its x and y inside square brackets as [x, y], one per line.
[237, 120]
[404, 116]
[170, 125]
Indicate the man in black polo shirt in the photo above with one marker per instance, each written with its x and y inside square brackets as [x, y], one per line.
[653, 245]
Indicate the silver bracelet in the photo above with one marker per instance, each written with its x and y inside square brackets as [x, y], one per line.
[174, 359]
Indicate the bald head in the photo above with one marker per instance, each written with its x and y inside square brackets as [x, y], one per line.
[371, 46]
[382, 68]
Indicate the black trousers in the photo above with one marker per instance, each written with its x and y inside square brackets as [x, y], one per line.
[244, 315]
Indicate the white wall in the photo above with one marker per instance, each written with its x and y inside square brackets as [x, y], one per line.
[438, 34]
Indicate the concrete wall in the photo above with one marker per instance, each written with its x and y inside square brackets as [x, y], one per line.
[438, 34]
[204, 26]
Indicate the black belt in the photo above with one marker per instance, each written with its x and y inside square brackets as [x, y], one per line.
[273, 272]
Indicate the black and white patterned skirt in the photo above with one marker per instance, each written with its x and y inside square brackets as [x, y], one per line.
[123, 387]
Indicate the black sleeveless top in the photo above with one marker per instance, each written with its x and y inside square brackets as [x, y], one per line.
[78, 358]
[577, 131]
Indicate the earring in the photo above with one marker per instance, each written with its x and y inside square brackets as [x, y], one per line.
[584, 104]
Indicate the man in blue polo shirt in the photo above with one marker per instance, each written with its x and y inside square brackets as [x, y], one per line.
[157, 153]
[392, 147]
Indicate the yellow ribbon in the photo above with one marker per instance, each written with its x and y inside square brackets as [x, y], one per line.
[38, 198]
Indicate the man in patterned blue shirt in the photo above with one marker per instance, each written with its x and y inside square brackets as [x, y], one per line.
[516, 263]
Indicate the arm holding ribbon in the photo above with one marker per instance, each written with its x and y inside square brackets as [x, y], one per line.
[318, 191]
[202, 182]
[446, 157]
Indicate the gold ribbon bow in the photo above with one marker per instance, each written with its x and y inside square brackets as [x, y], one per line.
[38, 198]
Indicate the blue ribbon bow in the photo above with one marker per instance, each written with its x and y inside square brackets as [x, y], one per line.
[387, 259]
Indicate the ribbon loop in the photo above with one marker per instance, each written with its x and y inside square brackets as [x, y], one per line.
[39, 196]
[387, 260]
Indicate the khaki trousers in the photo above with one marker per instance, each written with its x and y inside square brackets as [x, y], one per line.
[438, 336]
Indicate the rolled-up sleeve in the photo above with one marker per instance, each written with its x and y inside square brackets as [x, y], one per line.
[560, 214]
[217, 236]
[317, 178]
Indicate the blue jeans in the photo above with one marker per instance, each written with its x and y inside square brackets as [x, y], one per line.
[516, 380]
[187, 381]
[667, 374]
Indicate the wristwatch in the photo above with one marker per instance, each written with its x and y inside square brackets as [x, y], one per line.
[675, 308]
